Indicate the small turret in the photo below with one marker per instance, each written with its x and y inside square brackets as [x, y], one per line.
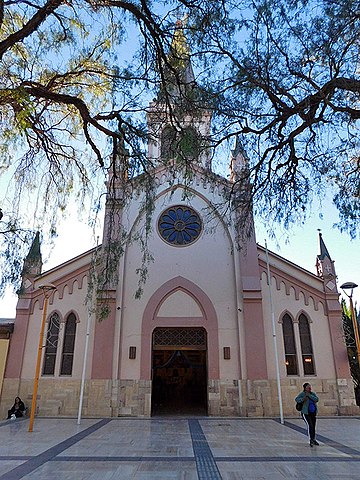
[32, 263]
[113, 232]
[117, 180]
[119, 168]
[325, 266]
[238, 161]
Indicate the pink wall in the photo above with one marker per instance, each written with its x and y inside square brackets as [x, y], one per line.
[253, 314]
[18, 339]
[102, 361]
[254, 339]
[17, 346]
[338, 345]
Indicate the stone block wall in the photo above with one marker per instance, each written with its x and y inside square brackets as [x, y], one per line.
[10, 390]
[98, 398]
[55, 396]
[260, 397]
[134, 398]
[231, 398]
[223, 398]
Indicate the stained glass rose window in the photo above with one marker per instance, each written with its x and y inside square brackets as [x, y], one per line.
[179, 225]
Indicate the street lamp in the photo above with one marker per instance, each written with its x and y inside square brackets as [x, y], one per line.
[47, 290]
[350, 286]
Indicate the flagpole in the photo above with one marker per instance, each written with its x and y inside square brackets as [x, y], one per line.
[274, 336]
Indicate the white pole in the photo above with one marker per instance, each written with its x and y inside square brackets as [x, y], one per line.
[90, 302]
[88, 326]
[274, 336]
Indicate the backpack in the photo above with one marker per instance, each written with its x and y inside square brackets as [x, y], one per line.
[299, 406]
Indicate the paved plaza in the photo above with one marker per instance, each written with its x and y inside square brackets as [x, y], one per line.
[178, 448]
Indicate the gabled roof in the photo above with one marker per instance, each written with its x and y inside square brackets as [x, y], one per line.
[293, 276]
[70, 261]
[289, 262]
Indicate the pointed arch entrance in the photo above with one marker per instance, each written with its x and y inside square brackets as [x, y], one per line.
[180, 350]
[179, 371]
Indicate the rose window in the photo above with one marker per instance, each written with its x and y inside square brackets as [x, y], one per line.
[179, 225]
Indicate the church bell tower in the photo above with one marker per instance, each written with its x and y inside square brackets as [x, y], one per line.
[178, 120]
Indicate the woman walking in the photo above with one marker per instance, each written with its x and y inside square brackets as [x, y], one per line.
[309, 400]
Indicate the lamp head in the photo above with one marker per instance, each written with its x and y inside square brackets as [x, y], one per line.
[348, 285]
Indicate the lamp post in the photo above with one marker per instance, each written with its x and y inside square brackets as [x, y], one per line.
[47, 290]
[351, 286]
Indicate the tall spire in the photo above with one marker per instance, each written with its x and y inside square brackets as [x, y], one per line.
[179, 121]
[180, 54]
[33, 260]
[178, 74]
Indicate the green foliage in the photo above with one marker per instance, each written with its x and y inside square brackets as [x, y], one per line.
[189, 144]
[291, 85]
[15, 243]
[77, 77]
[350, 341]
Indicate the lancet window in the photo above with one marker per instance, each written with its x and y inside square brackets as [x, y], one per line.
[52, 338]
[289, 346]
[67, 358]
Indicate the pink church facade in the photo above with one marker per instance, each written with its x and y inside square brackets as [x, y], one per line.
[189, 313]
[201, 330]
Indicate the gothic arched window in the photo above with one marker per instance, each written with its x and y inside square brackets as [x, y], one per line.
[289, 345]
[51, 345]
[189, 143]
[68, 346]
[183, 144]
[306, 346]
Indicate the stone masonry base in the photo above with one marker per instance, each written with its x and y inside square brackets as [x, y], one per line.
[244, 398]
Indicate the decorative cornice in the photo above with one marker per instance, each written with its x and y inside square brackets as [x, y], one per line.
[292, 283]
[66, 281]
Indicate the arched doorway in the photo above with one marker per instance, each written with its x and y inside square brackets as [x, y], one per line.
[179, 371]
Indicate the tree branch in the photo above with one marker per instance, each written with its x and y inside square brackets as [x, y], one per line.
[31, 26]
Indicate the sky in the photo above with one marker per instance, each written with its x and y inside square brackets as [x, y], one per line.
[299, 245]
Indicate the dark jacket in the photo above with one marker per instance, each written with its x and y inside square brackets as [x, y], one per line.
[304, 399]
[17, 411]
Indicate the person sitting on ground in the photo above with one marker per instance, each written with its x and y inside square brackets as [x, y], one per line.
[17, 409]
